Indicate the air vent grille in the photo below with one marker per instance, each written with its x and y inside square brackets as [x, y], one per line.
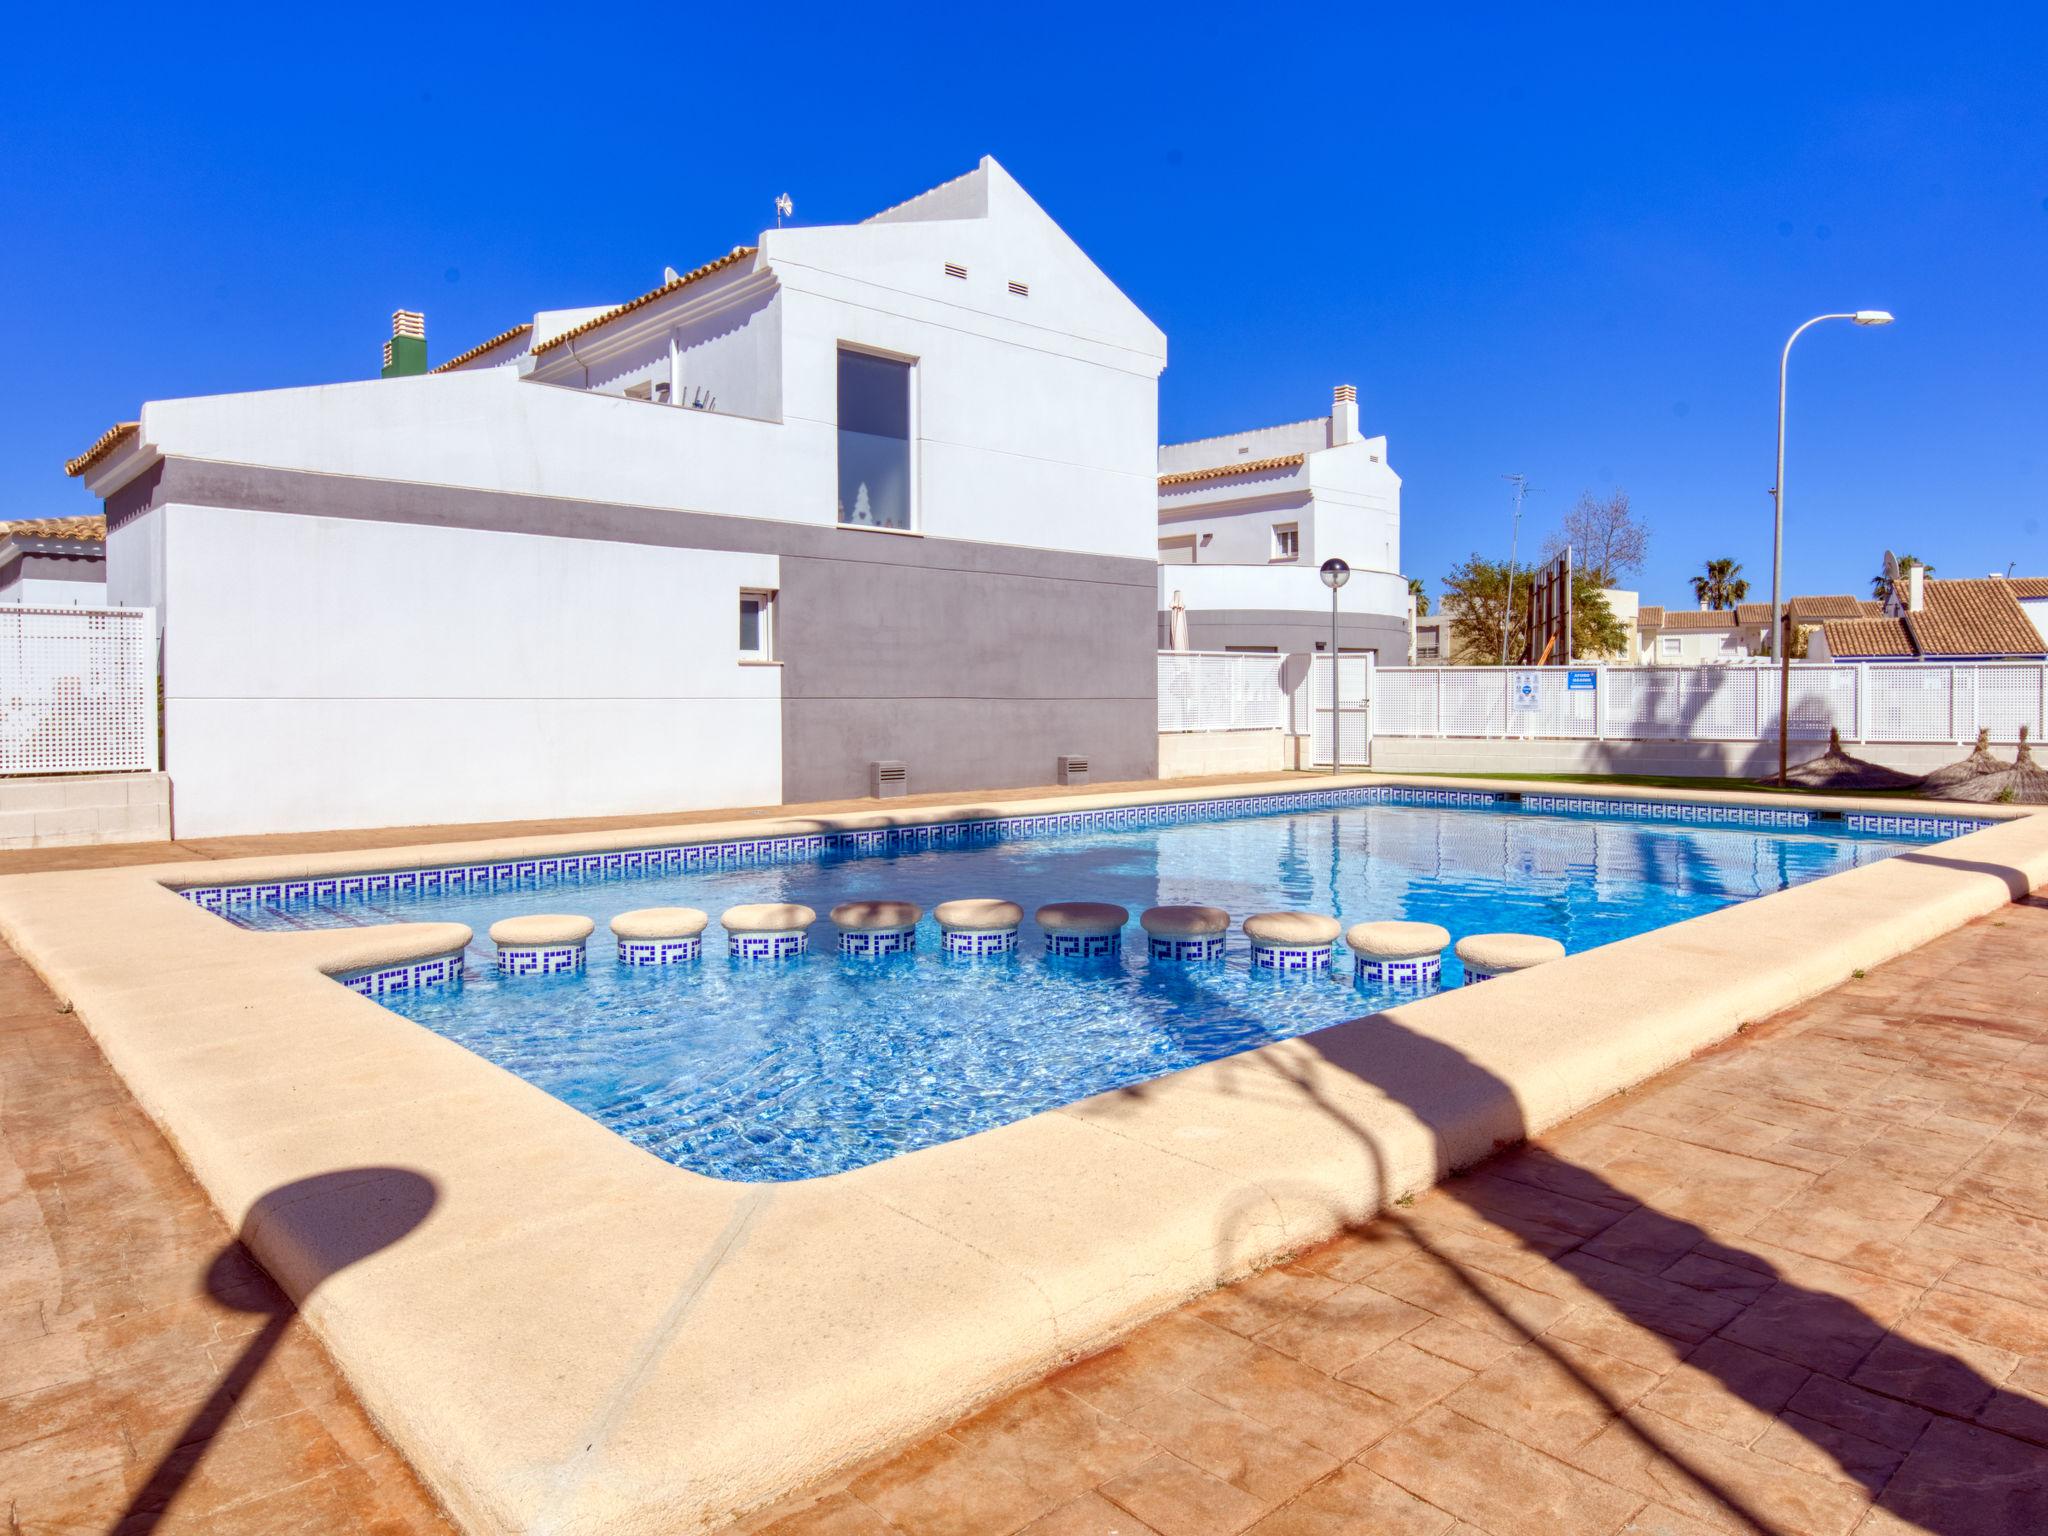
[954, 269]
[887, 780]
[1073, 769]
[1022, 290]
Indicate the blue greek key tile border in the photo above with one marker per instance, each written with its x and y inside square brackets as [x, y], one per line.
[893, 941]
[1084, 946]
[1290, 957]
[767, 946]
[1207, 946]
[442, 970]
[575, 868]
[660, 951]
[1426, 973]
[979, 943]
[540, 959]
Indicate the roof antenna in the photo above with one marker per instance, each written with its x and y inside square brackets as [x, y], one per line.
[784, 209]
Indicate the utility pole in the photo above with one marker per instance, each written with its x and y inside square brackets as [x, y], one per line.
[1522, 488]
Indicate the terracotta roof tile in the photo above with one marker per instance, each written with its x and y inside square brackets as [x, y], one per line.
[1698, 619]
[1650, 616]
[481, 348]
[738, 253]
[2029, 586]
[1867, 637]
[83, 529]
[1753, 613]
[1872, 608]
[1249, 466]
[1975, 617]
[1814, 608]
[108, 441]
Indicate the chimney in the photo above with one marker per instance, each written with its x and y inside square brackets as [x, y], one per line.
[406, 352]
[1916, 587]
[1344, 416]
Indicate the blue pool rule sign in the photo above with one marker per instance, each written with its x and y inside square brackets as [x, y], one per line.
[1579, 681]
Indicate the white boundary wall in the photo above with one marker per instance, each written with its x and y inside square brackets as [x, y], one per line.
[77, 690]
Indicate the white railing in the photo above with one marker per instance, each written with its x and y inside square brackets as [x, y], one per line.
[77, 690]
[1221, 691]
[1932, 702]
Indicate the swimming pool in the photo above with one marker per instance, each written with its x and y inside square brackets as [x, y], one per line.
[813, 1066]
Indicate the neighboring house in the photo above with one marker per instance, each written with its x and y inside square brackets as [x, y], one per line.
[54, 562]
[2032, 593]
[1246, 521]
[849, 494]
[1972, 619]
[1682, 637]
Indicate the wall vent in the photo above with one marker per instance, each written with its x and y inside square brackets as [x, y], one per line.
[1073, 769]
[887, 781]
[954, 269]
[1022, 290]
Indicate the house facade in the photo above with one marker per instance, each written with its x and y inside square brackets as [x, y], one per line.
[1245, 522]
[54, 562]
[1988, 618]
[850, 494]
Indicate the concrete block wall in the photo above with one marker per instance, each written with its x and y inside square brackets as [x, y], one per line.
[69, 810]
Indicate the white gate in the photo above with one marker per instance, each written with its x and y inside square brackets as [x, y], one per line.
[77, 690]
[1356, 687]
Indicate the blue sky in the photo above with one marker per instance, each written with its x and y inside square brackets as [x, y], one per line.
[1562, 241]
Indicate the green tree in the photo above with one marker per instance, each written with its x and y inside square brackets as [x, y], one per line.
[1421, 596]
[1476, 597]
[1881, 584]
[1722, 586]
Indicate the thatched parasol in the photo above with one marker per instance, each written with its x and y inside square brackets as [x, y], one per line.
[1977, 764]
[2024, 783]
[1836, 769]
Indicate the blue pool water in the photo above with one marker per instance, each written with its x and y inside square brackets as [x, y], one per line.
[793, 1069]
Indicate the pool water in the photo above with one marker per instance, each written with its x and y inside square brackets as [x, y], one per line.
[786, 1070]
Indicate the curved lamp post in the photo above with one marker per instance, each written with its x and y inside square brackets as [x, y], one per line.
[1335, 573]
[1781, 637]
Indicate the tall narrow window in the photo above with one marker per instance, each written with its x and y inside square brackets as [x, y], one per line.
[874, 441]
[757, 638]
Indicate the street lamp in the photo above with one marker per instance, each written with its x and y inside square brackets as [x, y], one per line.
[1335, 573]
[1781, 637]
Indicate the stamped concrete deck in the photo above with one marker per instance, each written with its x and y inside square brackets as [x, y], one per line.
[1793, 1286]
[152, 1378]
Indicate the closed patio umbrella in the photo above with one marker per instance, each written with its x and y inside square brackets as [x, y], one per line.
[1177, 624]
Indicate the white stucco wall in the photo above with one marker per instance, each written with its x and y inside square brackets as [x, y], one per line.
[1280, 588]
[576, 674]
[36, 592]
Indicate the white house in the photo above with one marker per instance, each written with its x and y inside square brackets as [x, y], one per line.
[848, 494]
[54, 562]
[1245, 522]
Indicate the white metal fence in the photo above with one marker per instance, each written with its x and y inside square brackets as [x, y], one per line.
[1221, 691]
[77, 690]
[1905, 702]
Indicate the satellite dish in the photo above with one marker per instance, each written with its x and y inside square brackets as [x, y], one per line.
[1891, 566]
[784, 208]
[670, 275]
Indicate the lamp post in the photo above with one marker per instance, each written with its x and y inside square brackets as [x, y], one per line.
[1335, 573]
[1781, 639]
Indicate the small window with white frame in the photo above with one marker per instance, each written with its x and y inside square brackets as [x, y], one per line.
[1287, 541]
[757, 626]
[1672, 645]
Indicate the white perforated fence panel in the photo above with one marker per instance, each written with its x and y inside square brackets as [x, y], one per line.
[1214, 691]
[1356, 689]
[77, 690]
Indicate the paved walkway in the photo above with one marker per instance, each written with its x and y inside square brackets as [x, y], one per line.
[1794, 1286]
[152, 1378]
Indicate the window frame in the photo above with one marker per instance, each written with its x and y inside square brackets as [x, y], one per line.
[915, 426]
[764, 656]
[1282, 533]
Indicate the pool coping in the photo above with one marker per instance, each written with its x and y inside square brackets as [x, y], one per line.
[580, 1337]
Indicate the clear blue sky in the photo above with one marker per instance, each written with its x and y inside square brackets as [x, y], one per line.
[1556, 240]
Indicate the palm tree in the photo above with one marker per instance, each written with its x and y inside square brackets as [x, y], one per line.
[1421, 597]
[1722, 586]
[1880, 584]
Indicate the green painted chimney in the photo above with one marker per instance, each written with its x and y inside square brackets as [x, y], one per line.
[406, 352]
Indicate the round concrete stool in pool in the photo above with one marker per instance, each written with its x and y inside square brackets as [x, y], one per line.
[1185, 933]
[775, 930]
[1397, 954]
[545, 944]
[1291, 941]
[877, 927]
[1083, 930]
[1487, 955]
[660, 935]
[978, 925]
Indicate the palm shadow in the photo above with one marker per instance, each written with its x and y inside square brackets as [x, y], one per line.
[323, 1224]
[1474, 1117]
